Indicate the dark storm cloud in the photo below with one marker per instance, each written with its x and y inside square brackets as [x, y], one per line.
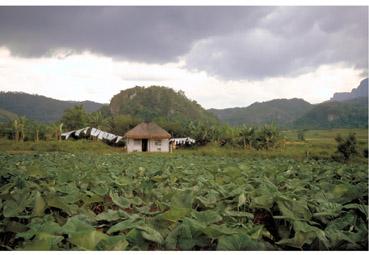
[148, 34]
[229, 42]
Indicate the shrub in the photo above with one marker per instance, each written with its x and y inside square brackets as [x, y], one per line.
[267, 137]
[301, 135]
[365, 153]
[346, 147]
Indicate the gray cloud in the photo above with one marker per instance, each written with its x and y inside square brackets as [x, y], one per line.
[228, 42]
[288, 41]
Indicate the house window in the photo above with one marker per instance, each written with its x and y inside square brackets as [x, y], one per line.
[158, 149]
[158, 143]
[137, 142]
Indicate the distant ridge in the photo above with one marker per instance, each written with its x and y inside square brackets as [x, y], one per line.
[360, 91]
[38, 107]
[279, 111]
[335, 114]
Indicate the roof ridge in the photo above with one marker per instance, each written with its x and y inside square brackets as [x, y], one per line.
[147, 130]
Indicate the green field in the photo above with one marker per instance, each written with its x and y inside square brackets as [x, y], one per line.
[85, 195]
[327, 134]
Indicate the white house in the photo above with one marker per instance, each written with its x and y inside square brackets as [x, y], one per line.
[147, 136]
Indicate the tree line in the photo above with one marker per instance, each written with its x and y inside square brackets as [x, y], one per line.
[204, 132]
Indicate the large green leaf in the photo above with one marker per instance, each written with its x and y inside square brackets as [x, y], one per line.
[305, 234]
[76, 224]
[294, 209]
[151, 234]
[362, 208]
[54, 201]
[16, 205]
[135, 238]
[39, 207]
[15, 227]
[210, 200]
[12, 208]
[43, 242]
[207, 217]
[329, 209]
[41, 225]
[87, 239]
[180, 238]
[124, 225]
[182, 199]
[241, 200]
[120, 201]
[123, 180]
[215, 231]
[263, 201]
[239, 242]
[112, 215]
[298, 240]
[228, 212]
[340, 190]
[113, 243]
[175, 214]
[345, 192]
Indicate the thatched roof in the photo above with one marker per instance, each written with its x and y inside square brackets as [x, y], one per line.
[147, 130]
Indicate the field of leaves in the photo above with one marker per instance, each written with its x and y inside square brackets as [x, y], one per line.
[84, 201]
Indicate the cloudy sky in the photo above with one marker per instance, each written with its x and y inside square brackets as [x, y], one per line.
[220, 56]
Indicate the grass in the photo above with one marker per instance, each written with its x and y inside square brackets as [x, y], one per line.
[327, 134]
[63, 146]
[318, 144]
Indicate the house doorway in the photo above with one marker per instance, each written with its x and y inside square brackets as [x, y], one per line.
[144, 144]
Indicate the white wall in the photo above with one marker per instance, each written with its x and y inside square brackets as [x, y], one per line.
[132, 146]
[152, 147]
[163, 147]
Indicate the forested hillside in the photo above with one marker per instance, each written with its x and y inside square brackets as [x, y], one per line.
[7, 116]
[158, 103]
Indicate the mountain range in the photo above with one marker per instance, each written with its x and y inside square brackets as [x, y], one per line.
[346, 110]
[343, 110]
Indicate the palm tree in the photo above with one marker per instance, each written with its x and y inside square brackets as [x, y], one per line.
[23, 122]
[16, 130]
[59, 131]
[19, 126]
[247, 135]
[97, 120]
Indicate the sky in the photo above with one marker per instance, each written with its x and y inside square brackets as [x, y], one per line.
[219, 56]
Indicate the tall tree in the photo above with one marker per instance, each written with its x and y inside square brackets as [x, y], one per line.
[75, 118]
